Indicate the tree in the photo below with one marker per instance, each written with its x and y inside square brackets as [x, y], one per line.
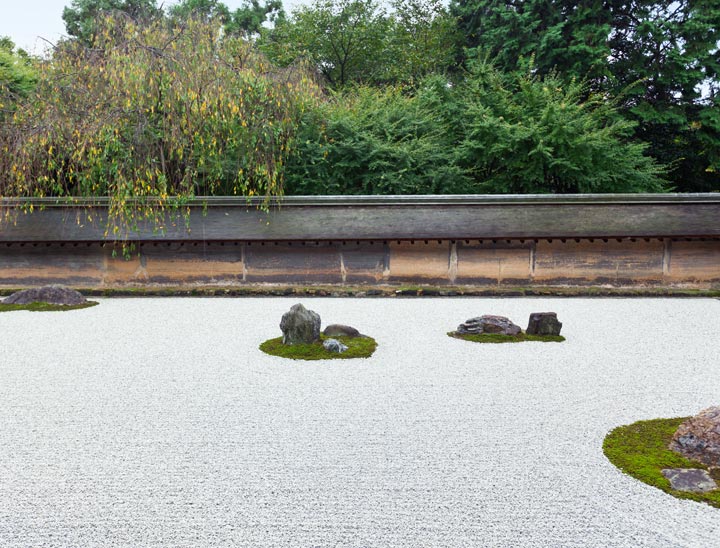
[367, 140]
[81, 16]
[250, 19]
[17, 74]
[151, 115]
[570, 38]
[344, 39]
[660, 58]
[206, 9]
[421, 39]
[246, 21]
[532, 134]
[666, 63]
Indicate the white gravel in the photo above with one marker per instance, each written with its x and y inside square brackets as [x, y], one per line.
[158, 422]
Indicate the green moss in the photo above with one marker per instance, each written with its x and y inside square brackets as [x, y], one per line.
[45, 307]
[358, 347]
[641, 450]
[494, 338]
[393, 291]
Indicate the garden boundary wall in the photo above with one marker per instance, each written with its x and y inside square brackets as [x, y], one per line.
[655, 241]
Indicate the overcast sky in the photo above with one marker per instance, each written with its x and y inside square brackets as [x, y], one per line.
[28, 21]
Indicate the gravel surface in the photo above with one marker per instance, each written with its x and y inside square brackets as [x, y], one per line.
[158, 422]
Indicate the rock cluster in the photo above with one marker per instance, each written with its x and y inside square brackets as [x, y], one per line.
[300, 325]
[543, 323]
[51, 294]
[698, 438]
[488, 324]
[540, 323]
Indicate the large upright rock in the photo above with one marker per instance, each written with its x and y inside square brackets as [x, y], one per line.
[543, 323]
[698, 438]
[52, 294]
[488, 324]
[300, 325]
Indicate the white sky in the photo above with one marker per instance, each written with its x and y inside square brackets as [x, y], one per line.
[28, 21]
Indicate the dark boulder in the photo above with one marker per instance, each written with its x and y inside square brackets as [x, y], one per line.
[338, 330]
[543, 323]
[698, 438]
[300, 325]
[489, 324]
[51, 294]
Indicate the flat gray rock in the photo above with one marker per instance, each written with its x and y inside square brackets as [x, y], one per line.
[52, 294]
[693, 480]
[488, 324]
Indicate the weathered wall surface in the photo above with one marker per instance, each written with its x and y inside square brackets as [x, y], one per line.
[661, 240]
[627, 262]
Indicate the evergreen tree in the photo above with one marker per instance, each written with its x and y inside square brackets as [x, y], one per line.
[18, 77]
[549, 35]
[660, 59]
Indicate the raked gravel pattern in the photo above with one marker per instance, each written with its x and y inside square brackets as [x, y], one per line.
[158, 422]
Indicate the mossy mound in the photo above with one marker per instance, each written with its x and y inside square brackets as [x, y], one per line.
[358, 347]
[495, 338]
[641, 450]
[45, 307]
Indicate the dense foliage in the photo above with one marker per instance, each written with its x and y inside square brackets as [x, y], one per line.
[659, 60]
[493, 133]
[153, 114]
[151, 104]
[17, 75]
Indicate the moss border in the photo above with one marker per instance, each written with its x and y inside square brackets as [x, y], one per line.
[641, 451]
[358, 347]
[497, 338]
[382, 291]
[46, 307]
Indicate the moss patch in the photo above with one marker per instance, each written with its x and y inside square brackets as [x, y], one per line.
[45, 307]
[358, 347]
[641, 450]
[494, 338]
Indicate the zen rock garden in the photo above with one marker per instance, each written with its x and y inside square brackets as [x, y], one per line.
[301, 338]
[46, 298]
[542, 326]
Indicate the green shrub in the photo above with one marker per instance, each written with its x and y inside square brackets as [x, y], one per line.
[373, 141]
[525, 134]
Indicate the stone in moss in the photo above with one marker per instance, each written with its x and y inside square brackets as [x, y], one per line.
[51, 294]
[641, 451]
[499, 338]
[358, 347]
